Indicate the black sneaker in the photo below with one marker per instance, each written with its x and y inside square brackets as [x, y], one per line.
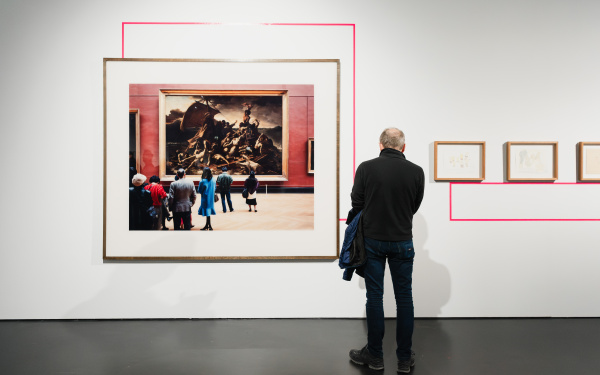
[404, 366]
[363, 357]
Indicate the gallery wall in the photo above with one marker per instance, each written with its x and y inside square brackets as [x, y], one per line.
[494, 71]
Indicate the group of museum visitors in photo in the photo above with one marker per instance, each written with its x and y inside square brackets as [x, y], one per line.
[150, 205]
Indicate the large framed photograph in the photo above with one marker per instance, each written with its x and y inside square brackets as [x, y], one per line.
[589, 161]
[459, 161]
[200, 120]
[532, 161]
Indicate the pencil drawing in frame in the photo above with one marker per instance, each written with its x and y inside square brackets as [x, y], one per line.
[128, 81]
[531, 161]
[589, 161]
[459, 161]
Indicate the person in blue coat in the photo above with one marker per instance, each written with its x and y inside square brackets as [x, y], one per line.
[206, 188]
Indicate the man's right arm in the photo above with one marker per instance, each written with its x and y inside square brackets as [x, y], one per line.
[420, 191]
[193, 195]
[358, 190]
[171, 198]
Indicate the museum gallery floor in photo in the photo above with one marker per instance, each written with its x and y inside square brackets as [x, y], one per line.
[295, 347]
[275, 212]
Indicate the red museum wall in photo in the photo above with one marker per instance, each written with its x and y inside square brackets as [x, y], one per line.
[144, 97]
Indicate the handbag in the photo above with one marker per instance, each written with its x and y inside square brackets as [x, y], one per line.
[216, 198]
[245, 193]
[152, 212]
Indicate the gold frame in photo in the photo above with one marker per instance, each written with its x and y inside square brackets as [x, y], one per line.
[187, 92]
[311, 146]
[137, 136]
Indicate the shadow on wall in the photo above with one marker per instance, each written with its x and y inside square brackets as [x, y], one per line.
[431, 162]
[146, 290]
[431, 280]
[149, 163]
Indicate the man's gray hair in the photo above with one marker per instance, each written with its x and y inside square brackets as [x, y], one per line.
[392, 138]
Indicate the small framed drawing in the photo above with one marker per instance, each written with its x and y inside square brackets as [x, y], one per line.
[532, 161]
[311, 155]
[589, 161]
[459, 161]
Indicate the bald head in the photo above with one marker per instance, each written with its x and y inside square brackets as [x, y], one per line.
[392, 138]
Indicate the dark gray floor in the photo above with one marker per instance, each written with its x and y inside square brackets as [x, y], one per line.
[295, 346]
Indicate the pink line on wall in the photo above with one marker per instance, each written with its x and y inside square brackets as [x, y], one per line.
[450, 201]
[516, 183]
[279, 24]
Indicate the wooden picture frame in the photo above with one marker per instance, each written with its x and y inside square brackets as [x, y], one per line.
[311, 156]
[321, 241]
[531, 161]
[589, 161]
[459, 161]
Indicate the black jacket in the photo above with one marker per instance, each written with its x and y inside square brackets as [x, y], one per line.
[140, 200]
[353, 256]
[389, 190]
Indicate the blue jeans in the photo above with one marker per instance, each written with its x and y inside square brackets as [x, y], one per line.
[228, 195]
[400, 257]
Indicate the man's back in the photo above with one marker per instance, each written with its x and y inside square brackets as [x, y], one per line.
[389, 189]
[224, 180]
[184, 195]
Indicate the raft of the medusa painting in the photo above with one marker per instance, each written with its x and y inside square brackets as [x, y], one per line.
[243, 130]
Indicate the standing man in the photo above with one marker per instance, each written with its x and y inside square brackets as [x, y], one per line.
[183, 196]
[224, 181]
[389, 190]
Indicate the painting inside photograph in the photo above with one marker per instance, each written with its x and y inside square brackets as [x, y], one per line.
[242, 130]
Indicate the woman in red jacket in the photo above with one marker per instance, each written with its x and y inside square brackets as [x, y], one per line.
[158, 195]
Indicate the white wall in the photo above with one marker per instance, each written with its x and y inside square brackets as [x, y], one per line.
[462, 70]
